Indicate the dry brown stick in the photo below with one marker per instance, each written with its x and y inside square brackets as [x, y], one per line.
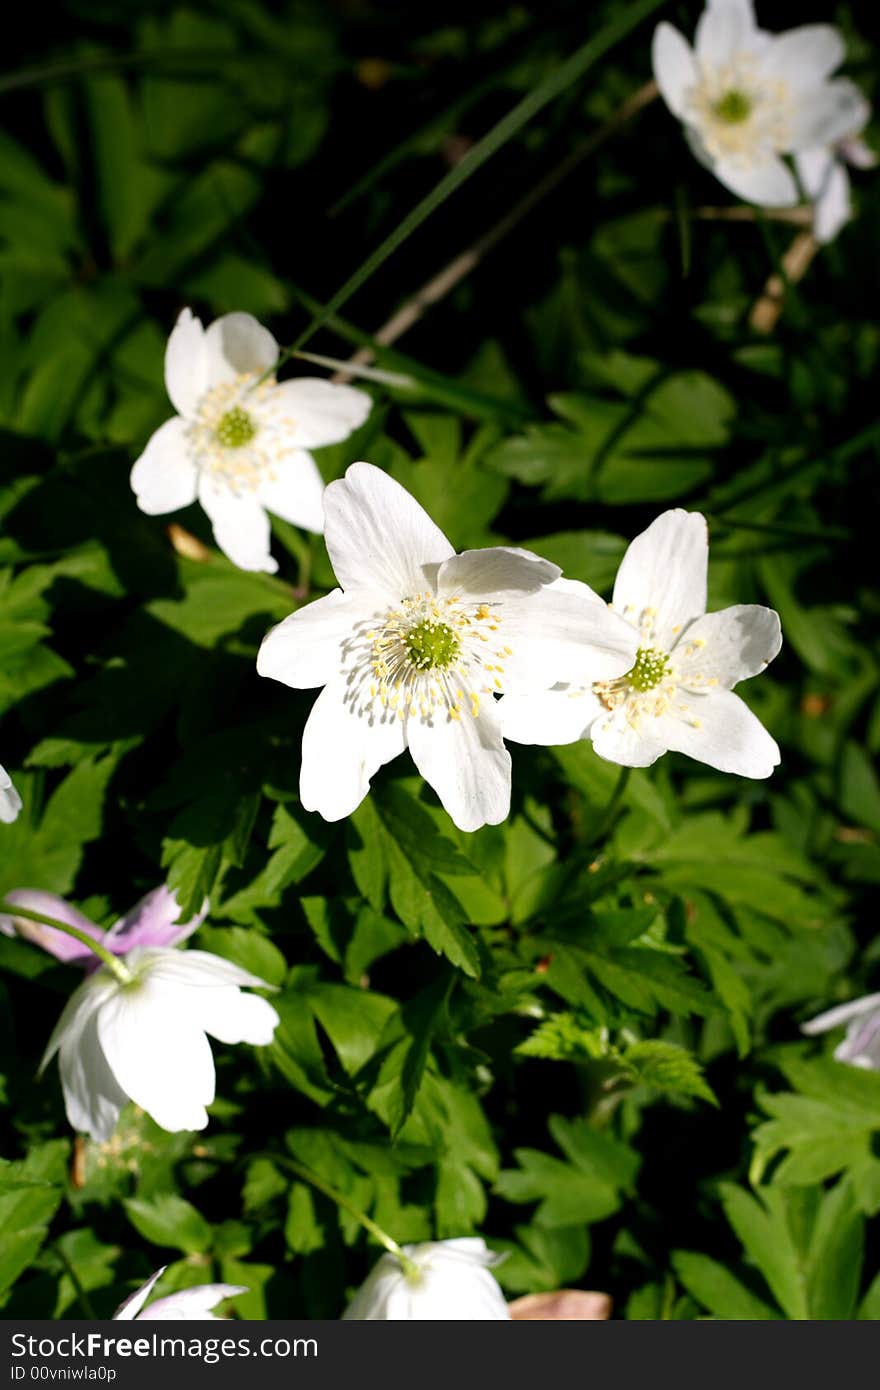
[797, 260]
[414, 308]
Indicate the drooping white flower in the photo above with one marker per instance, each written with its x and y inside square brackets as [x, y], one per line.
[153, 921]
[452, 1282]
[824, 178]
[239, 444]
[187, 1305]
[861, 1046]
[413, 647]
[747, 97]
[683, 662]
[10, 801]
[145, 1040]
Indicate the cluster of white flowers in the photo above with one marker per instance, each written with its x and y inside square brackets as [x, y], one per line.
[748, 98]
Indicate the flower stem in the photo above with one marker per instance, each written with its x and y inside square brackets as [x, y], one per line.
[122, 973]
[610, 813]
[406, 1264]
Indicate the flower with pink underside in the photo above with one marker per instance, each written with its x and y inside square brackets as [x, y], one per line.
[153, 921]
[187, 1305]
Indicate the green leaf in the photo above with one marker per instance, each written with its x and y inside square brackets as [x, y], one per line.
[717, 1290]
[167, 1220]
[669, 1068]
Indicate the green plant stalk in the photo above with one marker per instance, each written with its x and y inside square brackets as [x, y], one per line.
[121, 971]
[409, 1268]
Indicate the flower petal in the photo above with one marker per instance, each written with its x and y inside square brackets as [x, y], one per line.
[825, 116]
[192, 969]
[377, 535]
[236, 345]
[564, 632]
[158, 1056]
[725, 28]
[153, 921]
[233, 1017]
[342, 750]
[10, 801]
[618, 741]
[191, 1305]
[132, 1305]
[728, 646]
[721, 731]
[62, 947]
[493, 575]
[548, 717]
[664, 572]
[466, 763]
[804, 57]
[164, 478]
[841, 1014]
[768, 185]
[306, 649]
[675, 68]
[240, 525]
[186, 364]
[322, 412]
[93, 1097]
[295, 492]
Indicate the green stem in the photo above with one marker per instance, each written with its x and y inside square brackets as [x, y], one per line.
[122, 973]
[611, 809]
[406, 1264]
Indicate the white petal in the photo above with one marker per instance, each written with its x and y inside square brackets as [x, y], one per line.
[768, 185]
[158, 1056]
[842, 1013]
[191, 1305]
[664, 570]
[190, 969]
[10, 801]
[306, 649]
[466, 763]
[563, 633]
[296, 491]
[857, 151]
[826, 115]
[804, 57]
[164, 478]
[378, 537]
[721, 731]
[548, 717]
[132, 1305]
[495, 574]
[322, 412]
[233, 1017]
[78, 1010]
[240, 526]
[186, 364]
[675, 69]
[725, 28]
[728, 646]
[814, 169]
[92, 1096]
[832, 208]
[341, 751]
[235, 345]
[617, 741]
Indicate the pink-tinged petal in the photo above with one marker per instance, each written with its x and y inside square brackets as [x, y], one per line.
[153, 921]
[675, 68]
[295, 492]
[724, 29]
[191, 1305]
[661, 583]
[466, 763]
[131, 1306]
[770, 184]
[164, 478]
[322, 412]
[240, 526]
[55, 942]
[342, 750]
[721, 731]
[727, 647]
[378, 537]
[856, 151]
[186, 364]
[237, 345]
[305, 649]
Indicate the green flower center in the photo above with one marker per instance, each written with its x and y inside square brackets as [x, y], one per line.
[431, 646]
[734, 107]
[235, 428]
[650, 668]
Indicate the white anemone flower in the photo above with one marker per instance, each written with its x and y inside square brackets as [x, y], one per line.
[677, 691]
[144, 1039]
[10, 801]
[451, 1280]
[825, 179]
[861, 1046]
[239, 443]
[186, 1305]
[413, 648]
[746, 97]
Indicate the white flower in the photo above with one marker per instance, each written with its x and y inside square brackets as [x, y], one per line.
[747, 97]
[187, 1305]
[413, 647]
[10, 801]
[861, 1046]
[677, 692]
[824, 178]
[238, 444]
[453, 1281]
[145, 1041]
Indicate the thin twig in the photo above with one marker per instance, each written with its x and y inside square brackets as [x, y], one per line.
[795, 263]
[414, 308]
